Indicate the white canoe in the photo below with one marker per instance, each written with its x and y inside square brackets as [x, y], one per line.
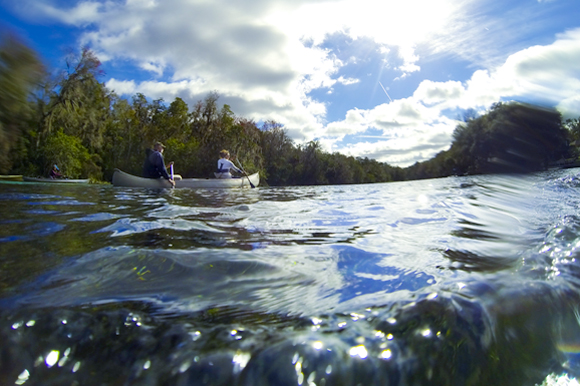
[56, 180]
[120, 178]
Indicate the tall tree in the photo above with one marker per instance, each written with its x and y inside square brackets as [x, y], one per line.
[244, 140]
[20, 73]
[311, 167]
[122, 144]
[78, 103]
[277, 151]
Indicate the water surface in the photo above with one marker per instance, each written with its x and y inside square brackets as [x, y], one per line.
[453, 281]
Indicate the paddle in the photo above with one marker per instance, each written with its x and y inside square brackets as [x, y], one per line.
[171, 169]
[245, 174]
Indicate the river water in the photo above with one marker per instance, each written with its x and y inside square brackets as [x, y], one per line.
[453, 281]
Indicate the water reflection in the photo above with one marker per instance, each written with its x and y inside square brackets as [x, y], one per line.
[451, 281]
[367, 273]
[188, 281]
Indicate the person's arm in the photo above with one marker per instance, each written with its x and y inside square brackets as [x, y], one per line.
[160, 165]
[163, 170]
[232, 166]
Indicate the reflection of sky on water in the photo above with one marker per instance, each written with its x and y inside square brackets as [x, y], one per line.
[31, 231]
[272, 279]
[363, 274]
[332, 255]
[46, 228]
[290, 250]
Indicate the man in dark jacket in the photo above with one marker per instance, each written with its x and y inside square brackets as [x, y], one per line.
[154, 166]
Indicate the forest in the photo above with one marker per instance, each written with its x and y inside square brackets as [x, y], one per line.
[71, 119]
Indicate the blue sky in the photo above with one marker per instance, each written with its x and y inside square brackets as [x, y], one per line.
[384, 79]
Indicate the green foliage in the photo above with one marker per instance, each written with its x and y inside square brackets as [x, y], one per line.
[244, 141]
[187, 155]
[76, 102]
[20, 70]
[510, 138]
[121, 142]
[310, 170]
[66, 151]
[278, 149]
[573, 126]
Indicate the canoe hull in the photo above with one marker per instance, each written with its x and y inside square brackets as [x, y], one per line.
[56, 180]
[121, 178]
[11, 177]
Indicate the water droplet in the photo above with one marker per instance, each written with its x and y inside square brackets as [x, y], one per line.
[295, 358]
[240, 360]
[22, 378]
[52, 358]
[311, 378]
[359, 351]
[184, 366]
[386, 354]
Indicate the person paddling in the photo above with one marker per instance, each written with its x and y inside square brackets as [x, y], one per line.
[225, 165]
[55, 172]
[154, 165]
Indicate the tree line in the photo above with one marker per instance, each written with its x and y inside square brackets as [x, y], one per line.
[74, 121]
[509, 138]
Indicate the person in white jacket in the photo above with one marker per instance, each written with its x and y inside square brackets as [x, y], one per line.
[225, 165]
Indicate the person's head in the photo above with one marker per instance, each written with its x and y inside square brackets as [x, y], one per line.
[224, 154]
[158, 147]
[54, 167]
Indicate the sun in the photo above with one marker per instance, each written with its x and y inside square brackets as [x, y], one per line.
[388, 22]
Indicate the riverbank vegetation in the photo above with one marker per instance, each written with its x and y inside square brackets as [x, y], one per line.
[74, 121]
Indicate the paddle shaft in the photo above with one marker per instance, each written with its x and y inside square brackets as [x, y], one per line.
[245, 174]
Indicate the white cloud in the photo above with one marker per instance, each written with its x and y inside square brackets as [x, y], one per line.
[407, 146]
[546, 74]
[411, 131]
[402, 113]
[354, 122]
[436, 93]
[79, 15]
[122, 87]
[347, 81]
